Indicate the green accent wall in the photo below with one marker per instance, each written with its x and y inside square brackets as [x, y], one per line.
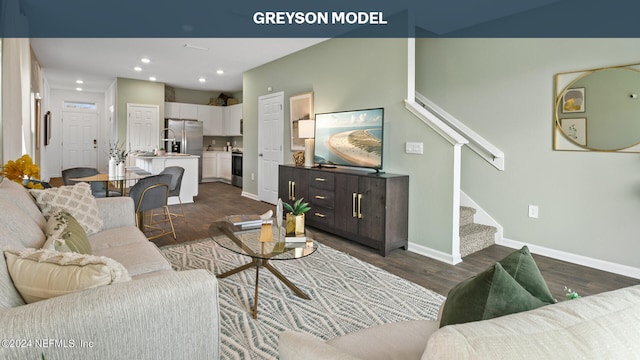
[348, 74]
[503, 89]
[130, 91]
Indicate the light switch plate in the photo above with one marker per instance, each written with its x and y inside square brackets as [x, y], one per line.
[414, 148]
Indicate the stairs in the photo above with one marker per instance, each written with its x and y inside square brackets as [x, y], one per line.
[473, 237]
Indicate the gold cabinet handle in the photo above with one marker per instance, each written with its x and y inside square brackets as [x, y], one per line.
[353, 205]
[320, 197]
[293, 190]
[320, 215]
[359, 206]
[289, 190]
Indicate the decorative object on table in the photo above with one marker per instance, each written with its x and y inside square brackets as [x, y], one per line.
[22, 171]
[279, 217]
[117, 156]
[266, 233]
[571, 294]
[298, 158]
[161, 152]
[306, 131]
[294, 223]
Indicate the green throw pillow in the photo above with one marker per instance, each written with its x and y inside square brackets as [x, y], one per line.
[490, 294]
[521, 266]
[65, 234]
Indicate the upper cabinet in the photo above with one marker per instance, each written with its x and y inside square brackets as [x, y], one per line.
[233, 120]
[216, 120]
[174, 110]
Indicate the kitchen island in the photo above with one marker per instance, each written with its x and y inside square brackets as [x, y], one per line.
[190, 163]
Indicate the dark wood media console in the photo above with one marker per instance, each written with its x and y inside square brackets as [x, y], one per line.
[365, 207]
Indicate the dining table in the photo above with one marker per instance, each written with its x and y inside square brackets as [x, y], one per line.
[131, 174]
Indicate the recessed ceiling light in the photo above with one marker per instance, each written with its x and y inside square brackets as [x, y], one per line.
[220, 72]
[145, 60]
[152, 78]
[202, 79]
[137, 68]
[79, 89]
[79, 81]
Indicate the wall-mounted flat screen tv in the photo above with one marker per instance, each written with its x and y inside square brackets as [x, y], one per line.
[350, 138]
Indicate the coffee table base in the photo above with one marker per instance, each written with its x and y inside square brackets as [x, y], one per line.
[258, 263]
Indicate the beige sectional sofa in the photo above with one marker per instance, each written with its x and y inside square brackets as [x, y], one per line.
[603, 326]
[159, 314]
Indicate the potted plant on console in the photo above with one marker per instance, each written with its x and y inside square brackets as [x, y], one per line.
[294, 221]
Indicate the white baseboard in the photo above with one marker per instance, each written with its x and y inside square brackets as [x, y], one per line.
[575, 259]
[434, 254]
[250, 195]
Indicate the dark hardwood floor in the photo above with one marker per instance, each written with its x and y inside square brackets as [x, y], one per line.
[216, 200]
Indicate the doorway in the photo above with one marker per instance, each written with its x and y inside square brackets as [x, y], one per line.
[79, 139]
[143, 130]
[270, 140]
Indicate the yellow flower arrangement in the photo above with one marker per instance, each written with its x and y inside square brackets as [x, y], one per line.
[20, 169]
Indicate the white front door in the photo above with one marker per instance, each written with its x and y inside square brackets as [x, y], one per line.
[79, 139]
[142, 128]
[270, 140]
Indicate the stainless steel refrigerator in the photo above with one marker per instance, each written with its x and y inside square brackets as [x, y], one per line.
[188, 139]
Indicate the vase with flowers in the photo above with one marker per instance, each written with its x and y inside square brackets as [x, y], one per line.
[23, 171]
[117, 159]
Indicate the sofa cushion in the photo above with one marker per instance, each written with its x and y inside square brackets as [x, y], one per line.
[43, 274]
[65, 234]
[523, 268]
[116, 237]
[137, 258]
[76, 199]
[19, 195]
[490, 294]
[602, 326]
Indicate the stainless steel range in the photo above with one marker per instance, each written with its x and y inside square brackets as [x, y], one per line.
[236, 168]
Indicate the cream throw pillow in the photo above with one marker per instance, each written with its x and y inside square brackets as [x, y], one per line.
[76, 199]
[43, 274]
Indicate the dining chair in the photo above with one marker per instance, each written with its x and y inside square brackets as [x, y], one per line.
[176, 173]
[97, 187]
[151, 193]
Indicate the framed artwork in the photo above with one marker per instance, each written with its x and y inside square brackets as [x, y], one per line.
[300, 108]
[575, 129]
[573, 101]
[47, 128]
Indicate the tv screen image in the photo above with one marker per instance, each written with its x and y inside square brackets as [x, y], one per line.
[350, 138]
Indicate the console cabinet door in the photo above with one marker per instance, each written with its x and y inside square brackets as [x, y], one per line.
[293, 183]
[371, 205]
[346, 197]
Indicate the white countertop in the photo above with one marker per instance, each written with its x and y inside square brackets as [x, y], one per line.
[167, 156]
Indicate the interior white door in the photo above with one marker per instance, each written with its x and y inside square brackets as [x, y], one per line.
[79, 139]
[143, 131]
[270, 140]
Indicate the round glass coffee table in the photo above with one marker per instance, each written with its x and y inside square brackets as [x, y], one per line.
[251, 243]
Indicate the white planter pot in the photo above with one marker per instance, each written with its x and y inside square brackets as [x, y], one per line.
[120, 171]
[112, 167]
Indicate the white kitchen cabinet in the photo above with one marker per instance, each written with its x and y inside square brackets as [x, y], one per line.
[233, 120]
[224, 165]
[188, 111]
[171, 110]
[209, 165]
[175, 110]
[211, 117]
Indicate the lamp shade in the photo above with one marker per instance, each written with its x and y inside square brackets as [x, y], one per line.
[306, 129]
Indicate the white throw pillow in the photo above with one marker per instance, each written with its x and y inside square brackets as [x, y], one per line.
[43, 274]
[76, 199]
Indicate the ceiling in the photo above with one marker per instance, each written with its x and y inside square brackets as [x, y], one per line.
[177, 62]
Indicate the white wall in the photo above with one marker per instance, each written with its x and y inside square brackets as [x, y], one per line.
[503, 89]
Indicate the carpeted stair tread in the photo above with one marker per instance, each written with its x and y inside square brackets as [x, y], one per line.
[475, 237]
[466, 215]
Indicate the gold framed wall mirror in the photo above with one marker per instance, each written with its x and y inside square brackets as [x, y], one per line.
[598, 109]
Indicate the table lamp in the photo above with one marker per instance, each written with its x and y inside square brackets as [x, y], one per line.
[306, 131]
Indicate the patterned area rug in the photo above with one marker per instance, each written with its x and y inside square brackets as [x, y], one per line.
[346, 295]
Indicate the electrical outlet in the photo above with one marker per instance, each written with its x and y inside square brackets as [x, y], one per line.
[252, 177]
[533, 211]
[213, 142]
